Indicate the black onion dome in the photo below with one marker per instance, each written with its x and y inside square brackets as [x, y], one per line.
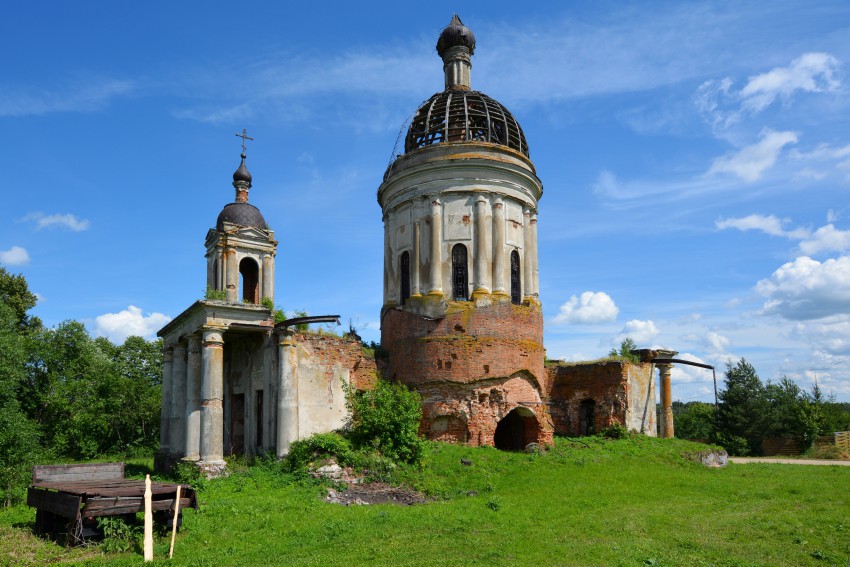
[456, 34]
[242, 173]
[241, 214]
[464, 116]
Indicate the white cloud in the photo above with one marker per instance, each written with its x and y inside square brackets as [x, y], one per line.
[592, 307]
[807, 289]
[768, 224]
[723, 106]
[826, 239]
[716, 342]
[750, 162]
[14, 256]
[129, 322]
[642, 332]
[67, 220]
[831, 334]
[811, 72]
[685, 374]
[90, 95]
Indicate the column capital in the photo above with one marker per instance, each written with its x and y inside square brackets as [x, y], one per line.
[194, 343]
[167, 354]
[212, 335]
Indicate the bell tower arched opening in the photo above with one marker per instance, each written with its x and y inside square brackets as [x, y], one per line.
[249, 276]
[516, 430]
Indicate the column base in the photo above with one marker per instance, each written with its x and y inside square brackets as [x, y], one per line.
[212, 469]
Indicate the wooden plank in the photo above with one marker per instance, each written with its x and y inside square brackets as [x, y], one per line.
[60, 503]
[74, 472]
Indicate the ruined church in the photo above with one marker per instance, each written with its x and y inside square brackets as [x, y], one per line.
[461, 321]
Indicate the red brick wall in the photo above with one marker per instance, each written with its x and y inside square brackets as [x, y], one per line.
[472, 367]
[463, 346]
[606, 383]
[348, 353]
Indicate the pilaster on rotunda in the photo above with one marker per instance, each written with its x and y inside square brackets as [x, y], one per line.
[461, 302]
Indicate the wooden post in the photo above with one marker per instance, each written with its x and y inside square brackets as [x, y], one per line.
[174, 524]
[148, 521]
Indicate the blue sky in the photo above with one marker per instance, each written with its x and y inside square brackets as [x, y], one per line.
[695, 159]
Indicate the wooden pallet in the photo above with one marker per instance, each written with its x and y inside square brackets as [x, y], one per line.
[69, 498]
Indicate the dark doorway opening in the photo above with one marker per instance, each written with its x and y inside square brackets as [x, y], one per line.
[250, 273]
[460, 273]
[237, 424]
[585, 417]
[516, 430]
[258, 413]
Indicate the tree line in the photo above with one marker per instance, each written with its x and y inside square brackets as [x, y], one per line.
[750, 411]
[65, 395]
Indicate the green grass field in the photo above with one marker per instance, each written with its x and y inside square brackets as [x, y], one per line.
[627, 502]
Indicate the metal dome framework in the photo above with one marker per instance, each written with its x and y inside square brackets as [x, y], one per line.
[464, 116]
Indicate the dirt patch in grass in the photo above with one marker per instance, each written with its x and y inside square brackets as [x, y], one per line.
[374, 493]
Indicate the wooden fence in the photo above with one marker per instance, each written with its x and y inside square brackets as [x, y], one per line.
[842, 439]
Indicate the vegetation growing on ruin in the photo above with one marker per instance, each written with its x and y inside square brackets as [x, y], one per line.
[593, 501]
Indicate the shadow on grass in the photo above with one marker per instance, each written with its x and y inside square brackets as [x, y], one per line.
[137, 469]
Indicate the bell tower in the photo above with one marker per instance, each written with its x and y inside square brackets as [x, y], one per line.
[461, 317]
[241, 248]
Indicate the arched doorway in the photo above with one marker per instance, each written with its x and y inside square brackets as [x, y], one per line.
[586, 412]
[516, 430]
[250, 275]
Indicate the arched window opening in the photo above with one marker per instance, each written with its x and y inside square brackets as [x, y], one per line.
[405, 276]
[460, 273]
[249, 274]
[586, 412]
[516, 430]
[516, 289]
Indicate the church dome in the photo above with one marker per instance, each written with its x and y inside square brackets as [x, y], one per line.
[464, 116]
[241, 214]
[242, 173]
[455, 34]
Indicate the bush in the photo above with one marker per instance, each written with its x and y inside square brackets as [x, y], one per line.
[386, 419]
[322, 445]
[736, 446]
[615, 431]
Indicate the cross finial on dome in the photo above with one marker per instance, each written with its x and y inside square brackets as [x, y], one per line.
[242, 177]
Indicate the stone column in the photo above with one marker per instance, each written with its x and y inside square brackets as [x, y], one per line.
[177, 443]
[212, 398]
[165, 412]
[534, 272]
[482, 281]
[219, 277]
[232, 276]
[417, 258]
[499, 247]
[193, 399]
[666, 425]
[527, 252]
[268, 282]
[436, 275]
[287, 399]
